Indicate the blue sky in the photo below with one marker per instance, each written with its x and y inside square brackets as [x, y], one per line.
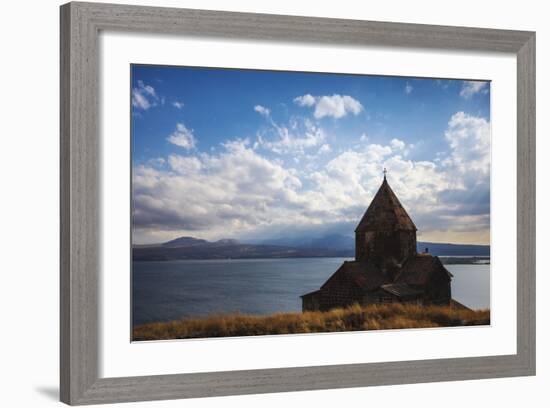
[246, 154]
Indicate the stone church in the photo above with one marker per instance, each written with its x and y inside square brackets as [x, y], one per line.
[387, 267]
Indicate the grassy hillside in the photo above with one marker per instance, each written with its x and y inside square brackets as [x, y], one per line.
[353, 318]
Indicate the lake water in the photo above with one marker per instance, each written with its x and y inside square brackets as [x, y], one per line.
[171, 290]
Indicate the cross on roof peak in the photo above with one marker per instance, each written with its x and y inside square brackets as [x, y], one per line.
[385, 171]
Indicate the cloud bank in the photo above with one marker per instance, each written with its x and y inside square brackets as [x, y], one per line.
[253, 187]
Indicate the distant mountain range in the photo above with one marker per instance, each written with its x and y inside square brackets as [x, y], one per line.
[192, 248]
[337, 241]
[333, 245]
[333, 241]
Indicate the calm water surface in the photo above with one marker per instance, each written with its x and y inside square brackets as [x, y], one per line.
[174, 289]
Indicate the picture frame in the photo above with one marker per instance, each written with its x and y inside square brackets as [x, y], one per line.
[81, 24]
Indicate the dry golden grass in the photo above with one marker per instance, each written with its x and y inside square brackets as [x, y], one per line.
[353, 318]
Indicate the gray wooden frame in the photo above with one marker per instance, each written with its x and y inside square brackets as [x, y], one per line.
[80, 158]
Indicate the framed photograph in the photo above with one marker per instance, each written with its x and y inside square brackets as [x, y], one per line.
[242, 192]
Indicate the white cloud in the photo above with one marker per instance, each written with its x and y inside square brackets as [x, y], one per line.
[182, 137]
[364, 137]
[157, 162]
[295, 142]
[470, 140]
[184, 164]
[262, 110]
[144, 96]
[408, 88]
[305, 100]
[376, 152]
[443, 83]
[397, 144]
[324, 149]
[299, 136]
[336, 106]
[470, 88]
[178, 104]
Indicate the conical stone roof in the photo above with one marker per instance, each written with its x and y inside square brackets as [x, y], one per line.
[385, 213]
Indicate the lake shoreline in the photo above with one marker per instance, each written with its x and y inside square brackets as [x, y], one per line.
[445, 259]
